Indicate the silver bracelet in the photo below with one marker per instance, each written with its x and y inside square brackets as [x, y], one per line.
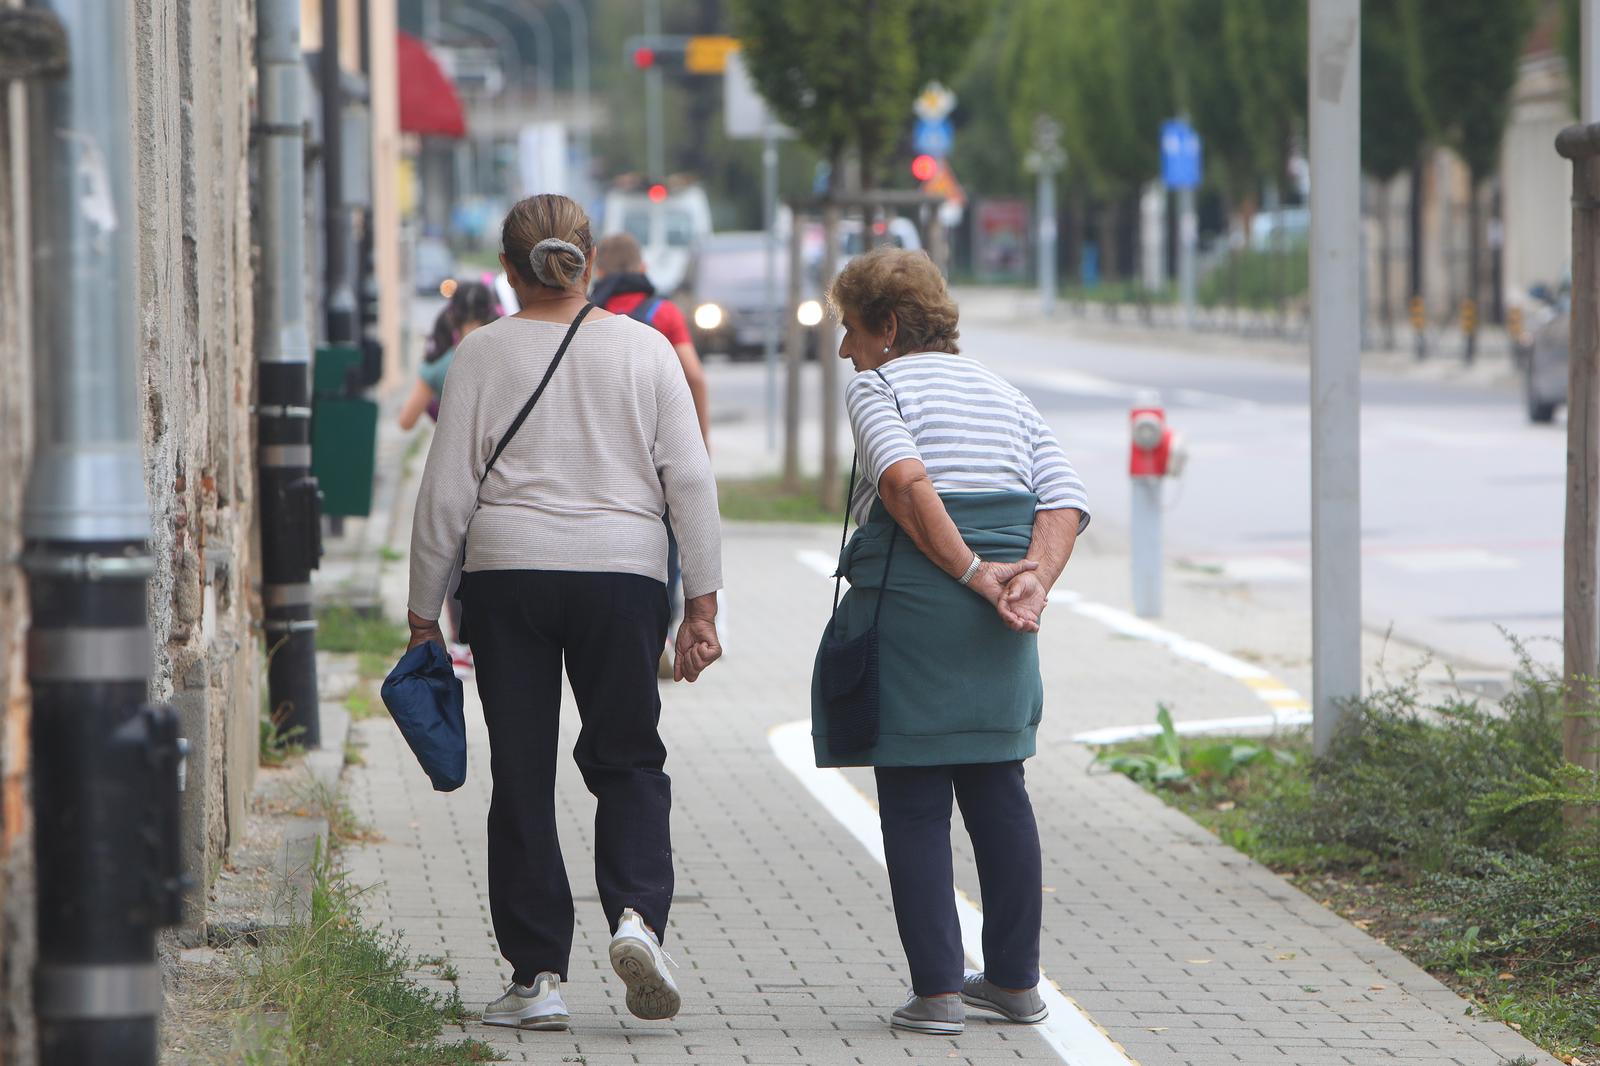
[972, 570]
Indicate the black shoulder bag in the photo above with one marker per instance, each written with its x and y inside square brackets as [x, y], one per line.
[463, 633]
[848, 669]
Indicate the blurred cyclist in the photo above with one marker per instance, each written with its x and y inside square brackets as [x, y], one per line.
[622, 287]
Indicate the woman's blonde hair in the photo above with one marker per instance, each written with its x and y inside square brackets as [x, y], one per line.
[548, 241]
[906, 283]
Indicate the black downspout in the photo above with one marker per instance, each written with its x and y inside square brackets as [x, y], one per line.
[106, 765]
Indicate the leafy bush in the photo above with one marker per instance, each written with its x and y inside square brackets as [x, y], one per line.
[1423, 785]
[1528, 911]
[1205, 765]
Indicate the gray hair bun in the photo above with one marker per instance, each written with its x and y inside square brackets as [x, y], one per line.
[557, 263]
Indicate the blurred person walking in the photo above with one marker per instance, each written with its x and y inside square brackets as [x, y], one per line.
[623, 288]
[471, 305]
[929, 670]
[565, 434]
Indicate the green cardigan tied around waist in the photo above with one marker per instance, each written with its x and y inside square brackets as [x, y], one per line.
[955, 685]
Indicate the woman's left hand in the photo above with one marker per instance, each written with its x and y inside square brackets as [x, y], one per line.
[991, 579]
[423, 630]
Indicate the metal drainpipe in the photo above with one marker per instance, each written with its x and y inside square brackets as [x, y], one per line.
[106, 765]
[291, 519]
[337, 251]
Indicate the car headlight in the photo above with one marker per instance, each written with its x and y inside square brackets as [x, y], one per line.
[809, 313]
[708, 316]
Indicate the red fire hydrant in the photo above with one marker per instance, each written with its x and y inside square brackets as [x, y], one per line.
[1155, 453]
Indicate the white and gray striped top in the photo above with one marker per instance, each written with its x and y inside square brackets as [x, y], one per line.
[612, 445]
[973, 431]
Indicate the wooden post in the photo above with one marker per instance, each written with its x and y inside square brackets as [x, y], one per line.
[1580, 642]
[832, 494]
[793, 358]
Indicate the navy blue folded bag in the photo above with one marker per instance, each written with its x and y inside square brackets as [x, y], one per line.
[423, 695]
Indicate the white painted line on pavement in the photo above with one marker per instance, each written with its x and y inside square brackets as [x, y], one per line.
[1068, 1029]
[1288, 706]
[820, 561]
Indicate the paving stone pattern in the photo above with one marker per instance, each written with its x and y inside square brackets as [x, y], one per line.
[1182, 949]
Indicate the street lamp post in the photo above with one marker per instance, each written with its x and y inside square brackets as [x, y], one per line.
[1046, 159]
[578, 21]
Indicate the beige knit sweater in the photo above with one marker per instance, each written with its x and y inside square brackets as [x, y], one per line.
[612, 445]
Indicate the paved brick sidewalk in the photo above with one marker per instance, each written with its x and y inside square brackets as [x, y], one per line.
[1182, 949]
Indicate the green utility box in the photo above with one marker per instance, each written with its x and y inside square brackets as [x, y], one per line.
[344, 433]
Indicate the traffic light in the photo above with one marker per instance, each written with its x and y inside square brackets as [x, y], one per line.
[644, 58]
[924, 167]
[657, 193]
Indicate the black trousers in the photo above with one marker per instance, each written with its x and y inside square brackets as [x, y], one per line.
[609, 629]
[914, 808]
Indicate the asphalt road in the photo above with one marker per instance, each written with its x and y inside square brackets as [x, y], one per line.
[1461, 497]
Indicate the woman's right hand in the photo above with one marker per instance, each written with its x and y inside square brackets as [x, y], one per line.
[991, 579]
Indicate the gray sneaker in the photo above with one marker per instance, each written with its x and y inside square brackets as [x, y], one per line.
[938, 1015]
[536, 1006]
[1025, 1007]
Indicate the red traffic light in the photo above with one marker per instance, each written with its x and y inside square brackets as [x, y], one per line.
[644, 58]
[924, 167]
[658, 193]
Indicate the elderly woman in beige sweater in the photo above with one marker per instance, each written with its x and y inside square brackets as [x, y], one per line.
[566, 562]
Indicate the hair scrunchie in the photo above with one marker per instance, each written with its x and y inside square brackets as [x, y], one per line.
[539, 260]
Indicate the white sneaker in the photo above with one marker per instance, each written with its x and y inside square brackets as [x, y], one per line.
[637, 957]
[536, 1006]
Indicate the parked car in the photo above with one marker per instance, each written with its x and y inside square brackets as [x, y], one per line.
[434, 265]
[667, 231]
[1545, 366]
[732, 313]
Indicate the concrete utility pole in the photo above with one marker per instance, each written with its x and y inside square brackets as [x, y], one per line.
[105, 764]
[1589, 54]
[1334, 87]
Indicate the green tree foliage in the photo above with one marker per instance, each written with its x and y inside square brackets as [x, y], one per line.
[1204, 88]
[844, 73]
[1089, 65]
[985, 155]
[1467, 53]
[1264, 45]
[1393, 128]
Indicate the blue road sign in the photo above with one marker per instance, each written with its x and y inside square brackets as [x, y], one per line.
[1180, 155]
[933, 137]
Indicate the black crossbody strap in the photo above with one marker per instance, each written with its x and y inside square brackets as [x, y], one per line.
[850, 491]
[522, 416]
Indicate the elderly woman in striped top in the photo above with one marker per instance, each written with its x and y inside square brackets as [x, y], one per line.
[959, 463]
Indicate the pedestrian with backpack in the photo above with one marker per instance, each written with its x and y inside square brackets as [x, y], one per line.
[565, 434]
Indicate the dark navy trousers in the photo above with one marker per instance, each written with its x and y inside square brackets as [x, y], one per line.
[914, 808]
[608, 631]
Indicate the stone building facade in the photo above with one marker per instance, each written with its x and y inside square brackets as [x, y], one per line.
[192, 67]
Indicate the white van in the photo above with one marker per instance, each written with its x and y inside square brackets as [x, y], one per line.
[667, 231]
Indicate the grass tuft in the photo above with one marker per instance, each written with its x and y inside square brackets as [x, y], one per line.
[766, 500]
[339, 992]
[343, 629]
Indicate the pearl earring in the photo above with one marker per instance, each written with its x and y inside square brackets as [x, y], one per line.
[885, 349]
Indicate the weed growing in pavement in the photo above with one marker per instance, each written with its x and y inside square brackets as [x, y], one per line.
[279, 745]
[390, 555]
[316, 798]
[341, 994]
[344, 629]
[1436, 824]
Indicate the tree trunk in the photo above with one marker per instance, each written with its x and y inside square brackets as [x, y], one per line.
[1415, 288]
[1474, 263]
[1110, 261]
[1385, 297]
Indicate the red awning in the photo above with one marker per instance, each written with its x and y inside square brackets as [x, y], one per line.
[428, 101]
